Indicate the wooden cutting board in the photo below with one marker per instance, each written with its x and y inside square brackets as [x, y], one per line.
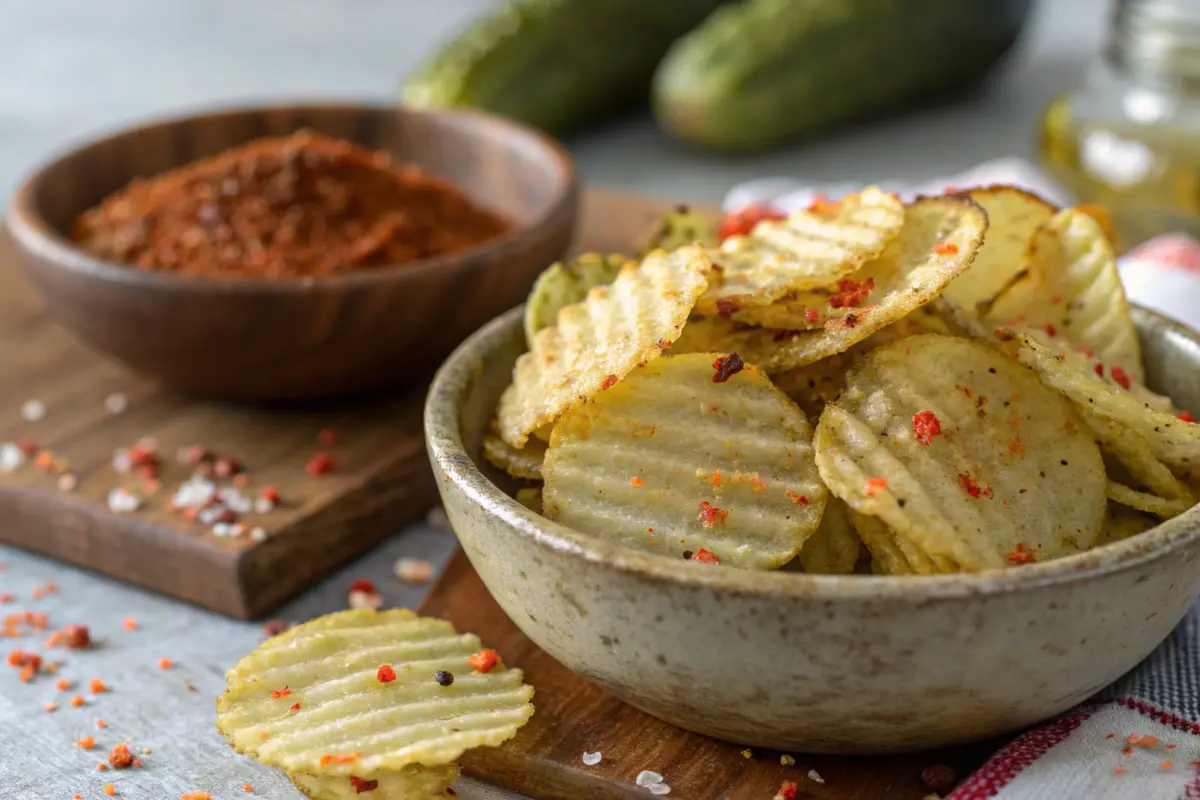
[573, 716]
[382, 478]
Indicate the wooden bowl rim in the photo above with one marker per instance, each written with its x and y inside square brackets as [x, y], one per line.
[443, 437]
[32, 232]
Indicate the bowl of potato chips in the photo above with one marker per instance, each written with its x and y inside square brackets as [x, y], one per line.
[872, 477]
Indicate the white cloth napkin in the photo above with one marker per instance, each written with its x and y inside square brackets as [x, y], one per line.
[1140, 738]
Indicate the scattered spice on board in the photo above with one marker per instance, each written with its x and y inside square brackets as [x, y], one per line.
[298, 205]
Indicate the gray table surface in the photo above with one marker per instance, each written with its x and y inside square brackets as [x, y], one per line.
[70, 68]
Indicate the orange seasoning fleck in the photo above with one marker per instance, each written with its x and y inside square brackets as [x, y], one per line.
[1148, 741]
[725, 367]
[86, 743]
[385, 673]
[945, 249]
[62, 684]
[361, 785]
[484, 660]
[97, 686]
[609, 382]
[726, 306]
[247, 788]
[1118, 769]
[1016, 447]
[851, 293]
[110, 790]
[710, 515]
[1021, 555]
[875, 485]
[706, 557]
[1186, 416]
[926, 425]
[1051, 331]
[101, 723]
[1164, 766]
[120, 757]
[1121, 377]
[787, 791]
[969, 485]
[798, 499]
[741, 223]
[76, 701]
[281, 693]
[346, 759]
[320, 464]
[635, 481]
[166, 663]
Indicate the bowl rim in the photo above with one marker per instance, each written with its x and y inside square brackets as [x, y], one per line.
[32, 231]
[443, 436]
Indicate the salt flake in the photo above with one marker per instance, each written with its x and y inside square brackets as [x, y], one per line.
[258, 535]
[123, 501]
[11, 457]
[413, 570]
[813, 775]
[592, 759]
[659, 788]
[116, 403]
[648, 777]
[33, 410]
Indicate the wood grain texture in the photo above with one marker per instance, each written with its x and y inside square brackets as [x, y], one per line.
[291, 338]
[574, 716]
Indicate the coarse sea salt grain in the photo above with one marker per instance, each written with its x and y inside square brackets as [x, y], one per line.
[222, 529]
[659, 788]
[592, 759]
[123, 501]
[33, 410]
[258, 535]
[648, 777]
[813, 775]
[235, 500]
[121, 460]
[195, 492]
[11, 457]
[263, 505]
[413, 570]
[116, 403]
[364, 600]
[67, 482]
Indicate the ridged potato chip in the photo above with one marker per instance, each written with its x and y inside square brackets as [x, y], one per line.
[410, 783]
[1013, 217]
[689, 453]
[1130, 460]
[1143, 501]
[531, 498]
[1123, 522]
[312, 701]
[960, 450]
[938, 241]
[524, 462]
[596, 342]
[880, 541]
[1073, 292]
[680, 227]
[809, 249]
[1171, 440]
[564, 284]
[835, 547]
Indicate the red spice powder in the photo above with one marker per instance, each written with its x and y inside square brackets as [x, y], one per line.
[741, 223]
[484, 660]
[798, 499]
[705, 557]
[926, 425]
[120, 757]
[1121, 377]
[385, 674]
[298, 205]
[710, 515]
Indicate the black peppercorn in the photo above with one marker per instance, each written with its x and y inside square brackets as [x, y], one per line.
[443, 677]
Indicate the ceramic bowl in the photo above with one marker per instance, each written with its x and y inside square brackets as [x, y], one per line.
[299, 338]
[852, 664]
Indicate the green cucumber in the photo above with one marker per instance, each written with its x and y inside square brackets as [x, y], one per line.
[763, 72]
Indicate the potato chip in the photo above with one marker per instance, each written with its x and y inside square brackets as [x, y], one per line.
[1144, 501]
[524, 462]
[689, 454]
[1123, 522]
[886, 556]
[312, 701]
[1171, 440]
[413, 782]
[531, 498]
[1130, 460]
[835, 547]
[680, 227]
[1073, 292]
[1013, 217]
[959, 449]
[815, 385]
[809, 249]
[596, 342]
[564, 284]
[938, 241]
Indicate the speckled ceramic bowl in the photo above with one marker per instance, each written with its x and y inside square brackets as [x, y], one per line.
[837, 664]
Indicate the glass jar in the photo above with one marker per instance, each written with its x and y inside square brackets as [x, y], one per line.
[1129, 138]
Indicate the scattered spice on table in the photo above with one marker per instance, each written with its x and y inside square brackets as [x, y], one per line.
[298, 205]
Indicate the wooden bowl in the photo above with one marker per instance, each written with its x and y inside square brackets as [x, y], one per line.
[852, 664]
[258, 339]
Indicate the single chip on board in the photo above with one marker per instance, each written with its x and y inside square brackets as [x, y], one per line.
[565, 283]
[680, 227]
[959, 449]
[316, 699]
[1150, 503]
[413, 782]
[1073, 293]
[524, 462]
[689, 454]
[938, 241]
[835, 547]
[1123, 522]
[596, 342]
[1013, 217]
[807, 250]
[1171, 440]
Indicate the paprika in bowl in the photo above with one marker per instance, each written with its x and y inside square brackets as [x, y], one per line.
[294, 252]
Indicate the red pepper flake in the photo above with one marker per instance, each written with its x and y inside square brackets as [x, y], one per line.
[346, 759]
[120, 757]
[101, 724]
[86, 743]
[1111, 735]
[1127, 750]
[484, 660]
[726, 367]
[1118, 769]
[1186, 416]
[166, 663]
[54, 639]
[969, 484]
[111, 790]
[819, 203]
[726, 306]
[926, 425]
[363, 585]
[247, 788]
[1164, 766]
[851, 293]
[710, 515]
[293, 708]
[278, 694]
[813, 317]
[97, 686]
[1099, 368]
[635, 481]
[1051, 331]
[1121, 377]
[76, 701]
[328, 437]
[274, 627]
[77, 636]
[787, 791]
[1148, 741]
[385, 674]
[850, 321]
[1169, 746]
[320, 464]
[608, 383]
[875, 485]
[1021, 554]
[741, 223]
[62, 684]
[945, 249]
[361, 785]
[16, 658]
[270, 494]
[798, 499]
[706, 557]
